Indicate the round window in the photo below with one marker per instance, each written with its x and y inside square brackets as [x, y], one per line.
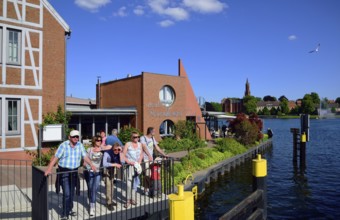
[167, 95]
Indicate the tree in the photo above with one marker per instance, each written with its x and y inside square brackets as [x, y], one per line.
[249, 104]
[307, 105]
[273, 111]
[284, 106]
[338, 100]
[295, 111]
[245, 130]
[266, 111]
[283, 98]
[269, 98]
[216, 106]
[315, 98]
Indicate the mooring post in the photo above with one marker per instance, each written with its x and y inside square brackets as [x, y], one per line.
[295, 132]
[303, 151]
[260, 181]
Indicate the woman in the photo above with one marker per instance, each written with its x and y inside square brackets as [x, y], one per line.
[133, 155]
[95, 154]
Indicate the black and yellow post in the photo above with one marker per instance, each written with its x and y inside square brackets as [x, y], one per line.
[260, 181]
[295, 132]
[303, 151]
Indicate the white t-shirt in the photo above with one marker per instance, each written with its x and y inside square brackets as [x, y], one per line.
[150, 143]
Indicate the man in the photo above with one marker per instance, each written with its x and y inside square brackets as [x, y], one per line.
[112, 139]
[112, 161]
[69, 154]
[149, 142]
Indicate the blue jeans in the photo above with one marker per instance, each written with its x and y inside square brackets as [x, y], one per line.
[92, 185]
[68, 184]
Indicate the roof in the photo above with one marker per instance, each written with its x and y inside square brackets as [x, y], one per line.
[219, 114]
[55, 14]
[108, 111]
[80, 101]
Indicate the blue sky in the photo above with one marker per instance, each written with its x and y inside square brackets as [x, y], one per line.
[221, 43]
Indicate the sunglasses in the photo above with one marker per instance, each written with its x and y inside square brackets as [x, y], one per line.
[99, 140]
[116, 150]
[135, 136]
[75, 136]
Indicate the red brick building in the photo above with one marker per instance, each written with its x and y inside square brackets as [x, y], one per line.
[32, 61]
[160, 100]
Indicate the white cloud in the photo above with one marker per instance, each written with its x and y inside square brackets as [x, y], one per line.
[161, 7]
[205, 6]
[139, 10]
[166, 23]
[121, 12]
[292, 37]
[91, 5]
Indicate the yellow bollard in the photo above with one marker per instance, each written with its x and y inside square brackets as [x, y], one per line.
[259, 167]
[182, 204]
[303, 137]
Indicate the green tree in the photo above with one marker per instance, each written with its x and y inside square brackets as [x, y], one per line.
[283, 98]
[315, 98]
[269, 98]
[266, 111]
[216, 106]
[295, 111]
[284, 106]
[185, 129]
[125, 133]
[337, 100]
[249, 104]
[307, 105]
[273, 111]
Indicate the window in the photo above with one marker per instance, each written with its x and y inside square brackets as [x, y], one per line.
[13, 116]
[167, 96]
[13, 46]
[166, 129]
[0, 45]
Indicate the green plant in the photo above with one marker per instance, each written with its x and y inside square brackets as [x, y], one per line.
[44, 158]
[185, 129]
[230, 145]
[59, 117]
[125, 134]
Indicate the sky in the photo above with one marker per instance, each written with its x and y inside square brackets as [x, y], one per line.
[221, 43]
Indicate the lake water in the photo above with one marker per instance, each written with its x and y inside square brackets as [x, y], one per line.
[293, 193]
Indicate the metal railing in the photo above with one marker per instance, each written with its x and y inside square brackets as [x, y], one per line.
[47, 195]
[15, 188]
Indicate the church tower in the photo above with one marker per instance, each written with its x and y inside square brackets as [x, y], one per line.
[247, 92]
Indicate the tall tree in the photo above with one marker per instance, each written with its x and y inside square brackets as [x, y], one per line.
[216, 106]
[284, 106]
[269, 98]
[249, 104]
[307, 105]
[283, 98]
[337, 100]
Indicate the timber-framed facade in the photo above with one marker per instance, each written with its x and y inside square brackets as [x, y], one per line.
[32, 62]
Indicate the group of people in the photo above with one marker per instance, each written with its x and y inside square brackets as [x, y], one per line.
[105, 158]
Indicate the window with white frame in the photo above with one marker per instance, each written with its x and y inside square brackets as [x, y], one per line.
[13, 46]
[0, 44]
[12, 116]
[167, 95]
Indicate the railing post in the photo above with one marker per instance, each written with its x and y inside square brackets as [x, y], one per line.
[259, 181]
[39, 195]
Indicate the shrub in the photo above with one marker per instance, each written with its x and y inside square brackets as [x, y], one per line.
[44, 159]
[185, 129]
[125, 134]
[230, 145]
[169, 144]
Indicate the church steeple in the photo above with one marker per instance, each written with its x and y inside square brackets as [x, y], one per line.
[247, 92]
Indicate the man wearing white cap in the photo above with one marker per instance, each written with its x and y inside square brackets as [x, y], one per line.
[69, 154]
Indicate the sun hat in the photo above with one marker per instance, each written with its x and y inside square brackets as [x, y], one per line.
[74, 133]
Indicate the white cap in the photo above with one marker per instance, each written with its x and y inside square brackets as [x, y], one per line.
[74, 133]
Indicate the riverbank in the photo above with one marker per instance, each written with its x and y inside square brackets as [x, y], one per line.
[202, 178]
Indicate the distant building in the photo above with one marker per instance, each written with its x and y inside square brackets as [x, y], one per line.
[267, 104]
[247, 91]
[232, 105]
